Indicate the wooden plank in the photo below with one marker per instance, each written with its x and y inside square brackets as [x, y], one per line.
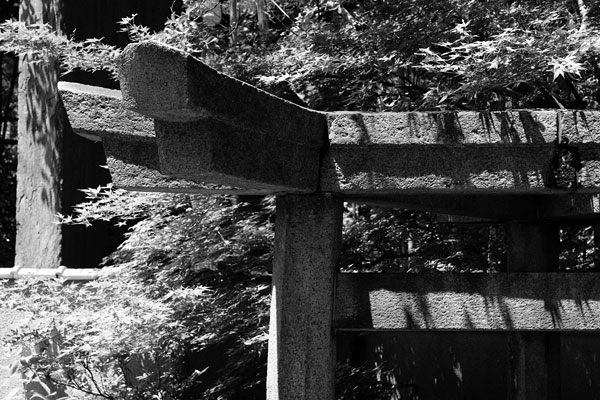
[445, 301]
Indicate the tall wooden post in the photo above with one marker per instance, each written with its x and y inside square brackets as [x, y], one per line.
[39, 170]
[301, 359]
[534, 356]
[40, 135]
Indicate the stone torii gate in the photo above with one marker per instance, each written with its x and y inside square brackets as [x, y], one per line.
[181, 126]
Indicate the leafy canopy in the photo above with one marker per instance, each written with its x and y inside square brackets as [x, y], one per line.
[375, 55]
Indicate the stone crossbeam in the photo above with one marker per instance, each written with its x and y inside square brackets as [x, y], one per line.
[217, 129]
[380, 159]
[444, 301]
[214, 128]
[128, 139]
[457, 151]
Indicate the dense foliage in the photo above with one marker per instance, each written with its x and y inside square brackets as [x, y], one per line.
[375, 55]
[189, 284]
[402, 55]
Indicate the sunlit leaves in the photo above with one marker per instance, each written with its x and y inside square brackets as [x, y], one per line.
[39, 42]
[535, 53]
[568, 65]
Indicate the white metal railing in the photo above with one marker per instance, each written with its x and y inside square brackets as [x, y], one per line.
[72, 274]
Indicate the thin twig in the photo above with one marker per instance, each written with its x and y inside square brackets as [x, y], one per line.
[87, 368]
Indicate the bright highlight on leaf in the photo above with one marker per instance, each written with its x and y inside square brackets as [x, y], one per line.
[567, 65]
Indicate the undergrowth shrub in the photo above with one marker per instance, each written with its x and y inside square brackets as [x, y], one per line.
[174, 314]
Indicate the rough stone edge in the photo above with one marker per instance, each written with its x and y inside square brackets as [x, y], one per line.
[511, 127]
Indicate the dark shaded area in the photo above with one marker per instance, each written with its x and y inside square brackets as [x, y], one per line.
[84, 246]
[8, 149]
[84, 19]
[8, 187]
[445, 365]
[430, 365]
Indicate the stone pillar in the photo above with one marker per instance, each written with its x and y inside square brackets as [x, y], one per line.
[301, 358]
[534, 356]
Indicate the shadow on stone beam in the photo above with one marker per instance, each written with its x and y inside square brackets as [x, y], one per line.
[211, 126]
[216, 128]
[451, 301]
[129, 142]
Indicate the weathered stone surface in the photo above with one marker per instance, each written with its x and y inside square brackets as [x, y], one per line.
[463, 127]
[95, 111]
[224, 131]
[555, 206]
[516, 301]
[128, 139]
[532, 247]
[458, 151]
[575, 207]
[393, 168]
[210, 151]
[169, 85]
[221, 130]
[301, 358]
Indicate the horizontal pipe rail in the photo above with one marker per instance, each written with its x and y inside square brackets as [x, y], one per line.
[71, 274]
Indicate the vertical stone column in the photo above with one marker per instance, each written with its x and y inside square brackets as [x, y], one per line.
[534, 356]
[301, 359]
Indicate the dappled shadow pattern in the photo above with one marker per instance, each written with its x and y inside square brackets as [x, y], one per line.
[543, 301]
